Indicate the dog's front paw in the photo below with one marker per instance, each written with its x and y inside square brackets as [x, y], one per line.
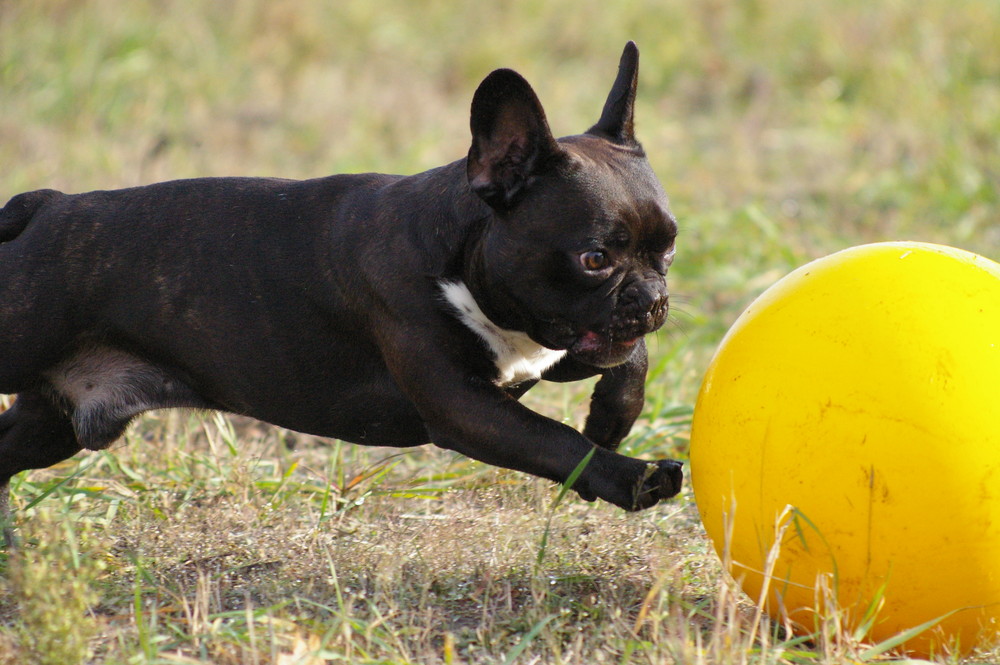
[629, 483]
[661, 479]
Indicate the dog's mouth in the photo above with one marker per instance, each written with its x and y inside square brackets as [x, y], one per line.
[602, 350]
[603, 347]
[611, 341]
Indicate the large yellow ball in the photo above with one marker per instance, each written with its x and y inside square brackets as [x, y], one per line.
[862, 392]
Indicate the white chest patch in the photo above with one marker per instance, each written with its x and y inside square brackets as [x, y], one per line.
[517, 357]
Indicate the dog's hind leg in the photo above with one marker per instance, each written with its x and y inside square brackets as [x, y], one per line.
[34, 434]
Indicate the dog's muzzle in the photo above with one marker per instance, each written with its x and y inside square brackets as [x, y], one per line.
[641, 309]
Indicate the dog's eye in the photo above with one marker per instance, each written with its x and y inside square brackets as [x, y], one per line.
[594, 260]
[668, 257]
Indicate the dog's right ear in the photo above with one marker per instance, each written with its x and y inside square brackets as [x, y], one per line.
[616, 121]
[511, 139]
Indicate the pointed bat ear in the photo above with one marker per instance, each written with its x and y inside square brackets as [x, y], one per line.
[616, 121]
[511, 139]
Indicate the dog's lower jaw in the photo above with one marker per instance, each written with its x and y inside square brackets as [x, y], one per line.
[601, 350]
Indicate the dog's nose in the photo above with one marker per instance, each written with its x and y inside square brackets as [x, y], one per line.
[649, 300]
[659, 309]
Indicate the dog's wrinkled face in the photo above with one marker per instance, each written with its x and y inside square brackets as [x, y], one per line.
[581, 261]
[577, 250]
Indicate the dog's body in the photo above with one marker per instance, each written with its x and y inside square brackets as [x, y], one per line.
[377, 309]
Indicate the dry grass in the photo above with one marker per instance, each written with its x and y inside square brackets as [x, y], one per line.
[239, 553]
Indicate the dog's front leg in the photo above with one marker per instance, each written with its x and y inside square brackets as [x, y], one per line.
[471, 415]
[617, 400]
[618, 396]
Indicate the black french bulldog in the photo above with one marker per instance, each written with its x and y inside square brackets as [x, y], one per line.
[378, 309]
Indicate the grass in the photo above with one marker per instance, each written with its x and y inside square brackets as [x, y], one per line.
[782, 132]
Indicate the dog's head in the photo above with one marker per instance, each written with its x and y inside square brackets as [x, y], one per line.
[576, 251]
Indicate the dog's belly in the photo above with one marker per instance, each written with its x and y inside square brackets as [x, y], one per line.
[369, 412]
[103, 388]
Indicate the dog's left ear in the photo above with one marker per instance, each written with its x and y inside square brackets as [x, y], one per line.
[511, 139]
[616, 121]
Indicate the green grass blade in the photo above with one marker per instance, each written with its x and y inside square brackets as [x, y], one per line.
[566, 486]
[514, 653]
[904, 636]
[62, 481]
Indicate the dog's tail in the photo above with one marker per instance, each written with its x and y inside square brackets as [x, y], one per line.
[14, 216]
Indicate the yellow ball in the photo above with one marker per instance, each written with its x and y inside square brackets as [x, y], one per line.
[862, 391]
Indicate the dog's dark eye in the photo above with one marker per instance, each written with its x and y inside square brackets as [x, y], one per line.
[594, 260]
[668, 257]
